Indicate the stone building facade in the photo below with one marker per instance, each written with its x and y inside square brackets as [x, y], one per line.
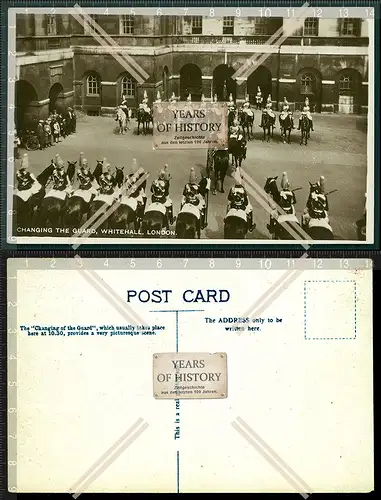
[61, 61]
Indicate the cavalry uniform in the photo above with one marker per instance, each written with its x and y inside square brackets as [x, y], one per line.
[144, 104]
[27, 184]
[61, 185]
[86, 189]
[239, 200]
[306, 112]
[317, 203]
[259, 98]
[194, 199]
[246, 107]
[268, 110]
[236, 131]
[159, 190]
[287, 201]
[286, 112]
[231, 104]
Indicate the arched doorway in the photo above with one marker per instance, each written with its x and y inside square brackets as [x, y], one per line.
[25, 116]
[55, 98]
[165, 95]
[261, 78]
[348, 87]
[309, 84]
[223, 83]
[190, 82]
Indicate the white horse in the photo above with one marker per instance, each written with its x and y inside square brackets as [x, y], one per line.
[121, 118]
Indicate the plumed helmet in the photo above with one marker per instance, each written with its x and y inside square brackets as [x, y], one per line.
[284, 183]
[192, 176]
[59, 162]
[322, 183]
[81, 155]
[24, 162]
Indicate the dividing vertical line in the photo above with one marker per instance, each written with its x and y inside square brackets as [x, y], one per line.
[177, 331]
[178, 472]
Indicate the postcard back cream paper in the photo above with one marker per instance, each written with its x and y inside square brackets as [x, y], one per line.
[298, 412]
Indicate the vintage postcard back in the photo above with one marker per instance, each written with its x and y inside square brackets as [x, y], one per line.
[190, 375]
[206, 125]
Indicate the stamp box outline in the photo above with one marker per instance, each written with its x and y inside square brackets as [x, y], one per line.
[305, 288]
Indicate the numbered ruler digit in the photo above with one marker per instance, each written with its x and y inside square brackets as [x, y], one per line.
[196, 375]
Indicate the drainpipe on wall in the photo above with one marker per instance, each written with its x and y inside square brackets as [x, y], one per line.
[278, 77]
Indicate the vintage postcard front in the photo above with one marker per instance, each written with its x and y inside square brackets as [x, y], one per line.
[176, 375]
[211, 125]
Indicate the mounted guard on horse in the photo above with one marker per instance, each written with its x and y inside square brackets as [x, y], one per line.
[286, 200]
[27, 184]
[144, 114]
[161, 202]
[286, 120]
[193, 202]
[247, 117]
[237, 143]
[231, 110]
[259, 98]
[306, 112]
[268, 119]
[239, 200]
[315, 217]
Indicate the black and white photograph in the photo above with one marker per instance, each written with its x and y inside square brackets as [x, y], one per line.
[276, 145]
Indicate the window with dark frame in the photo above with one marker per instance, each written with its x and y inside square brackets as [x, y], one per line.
[260, 25]
[307, 84]
[311, 26]
[51, 25]
[128, 87]
[228, 25]
[346, 84]
[196, 25]
[88, 27]
[93, 87]
[349, 27]
[127, 25]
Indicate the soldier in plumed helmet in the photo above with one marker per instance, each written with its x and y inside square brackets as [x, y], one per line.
[239, 200]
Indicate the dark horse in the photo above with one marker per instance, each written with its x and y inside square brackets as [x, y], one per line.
[188, 224]
[79, 204]
[238, 150]
[268, 123]
[101, 203]
[235, 225]
[154, 220]
[129, 211]
[280, 228]
[285, 127]
[305, 127]
[145, 119]
[246, 122]
[317, 223]
[221, 166]
[231, 116]
[24, 210]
